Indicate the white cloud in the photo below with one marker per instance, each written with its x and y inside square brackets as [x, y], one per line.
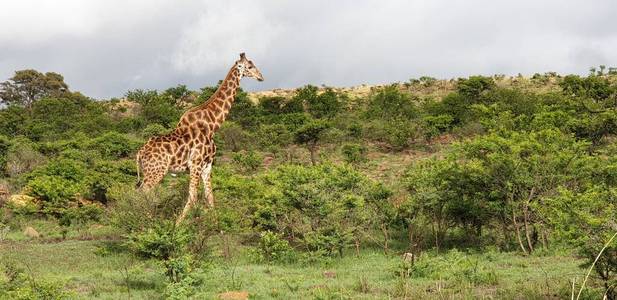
[30, 22]
[220, 33]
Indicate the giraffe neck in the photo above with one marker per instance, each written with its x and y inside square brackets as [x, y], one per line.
[220, 102]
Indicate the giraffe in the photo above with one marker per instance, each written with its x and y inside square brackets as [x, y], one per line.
[190, 146]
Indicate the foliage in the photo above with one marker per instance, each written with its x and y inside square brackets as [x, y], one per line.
[272, 248]
[248, 161]
[154, 130]
[233, 136]
[28, 86]
[586, 220]
[20, 285]
[354, 153]
[391, 104]
[310, 134]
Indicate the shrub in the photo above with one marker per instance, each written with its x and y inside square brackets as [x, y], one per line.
[248, 161]
[22, 157]
[354, 153]
[136, 211]
[390, 103]
[161, 241]
[271, 137]
[55, 192]
[21, 286]
[474, 86]
[323, 209]
[153, 130]
[595, 87]
[113, 145]
[436, 125]
[272, 248]
[310, 134]
[234, 138]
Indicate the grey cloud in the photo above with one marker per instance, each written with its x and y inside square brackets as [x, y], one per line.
[158, 44]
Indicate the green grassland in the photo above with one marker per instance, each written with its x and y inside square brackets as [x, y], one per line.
[91, 264]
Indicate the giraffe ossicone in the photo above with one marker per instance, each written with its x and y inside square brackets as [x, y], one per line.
[190, 146]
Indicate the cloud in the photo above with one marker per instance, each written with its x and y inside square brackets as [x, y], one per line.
[222, 31]
[105, 48]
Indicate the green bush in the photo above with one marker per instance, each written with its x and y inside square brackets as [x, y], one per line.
[354, 153]
[22, 156]
[233, 137]
[391, 103]
[248, 161]
[161, 241]
[322, 209]
[113, 145]
[595, 87]
[21, 286]
[436, 125]
[272, 137]
[272, 248]
[153, 130]
[55, 192]
[474, 86]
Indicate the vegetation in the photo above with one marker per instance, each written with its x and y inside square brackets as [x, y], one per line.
[477, 187]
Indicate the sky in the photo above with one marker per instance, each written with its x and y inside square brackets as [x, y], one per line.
[107, 47]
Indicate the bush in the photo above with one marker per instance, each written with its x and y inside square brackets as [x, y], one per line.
[113, 145]
[135, 211]
[20, 286]
[272, 137]
[323, 209]
[354, 153]
[153, 130]
[390, 103]
[474, 86]
[436, 125]
[161, 241]
[272, 248]
[234, 138]
[55, 192]
[248, 161]
[22, 157]
[595, 87]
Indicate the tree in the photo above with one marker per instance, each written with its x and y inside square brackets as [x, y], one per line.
[390, 103]
[475, 85]
[324, 105]
[27, 86]
[310, 134]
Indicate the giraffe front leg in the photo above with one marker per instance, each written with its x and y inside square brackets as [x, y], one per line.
[195, 173]
[206, 177]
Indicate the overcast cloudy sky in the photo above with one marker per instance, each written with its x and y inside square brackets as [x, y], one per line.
[106, 47]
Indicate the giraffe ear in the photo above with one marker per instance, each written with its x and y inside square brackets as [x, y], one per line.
[242, 55]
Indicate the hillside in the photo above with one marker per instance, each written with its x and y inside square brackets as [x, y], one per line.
[477, 187]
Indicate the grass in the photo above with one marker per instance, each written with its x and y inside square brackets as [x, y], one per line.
[101, 268]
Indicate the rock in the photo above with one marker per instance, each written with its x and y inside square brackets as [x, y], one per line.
[329, 274]
[21, 200]
[31, 232]
[234, 295]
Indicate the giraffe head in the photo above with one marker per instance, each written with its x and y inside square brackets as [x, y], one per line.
[247, 68]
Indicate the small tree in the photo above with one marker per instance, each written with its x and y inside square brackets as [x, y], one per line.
[310, 134]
